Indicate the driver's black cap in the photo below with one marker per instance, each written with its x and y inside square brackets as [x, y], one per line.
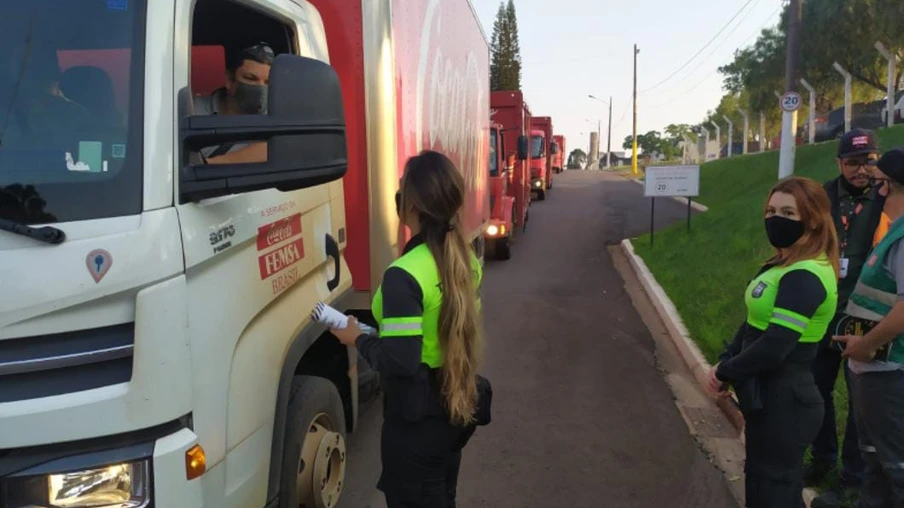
[858, 142]
[892, 164]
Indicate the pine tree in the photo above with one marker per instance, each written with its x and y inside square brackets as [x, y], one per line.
[514, 47]
[505, 67]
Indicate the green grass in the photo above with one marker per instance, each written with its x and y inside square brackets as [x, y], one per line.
[705, 271]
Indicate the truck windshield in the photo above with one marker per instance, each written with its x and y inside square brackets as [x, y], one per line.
[536, 147]
[494, 164]
[71, 95]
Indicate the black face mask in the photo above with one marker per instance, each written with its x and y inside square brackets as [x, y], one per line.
[398, 203]
[252, 99]
[783, 232]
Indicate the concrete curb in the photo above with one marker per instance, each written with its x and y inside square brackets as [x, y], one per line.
[695, 205]
[689, 351]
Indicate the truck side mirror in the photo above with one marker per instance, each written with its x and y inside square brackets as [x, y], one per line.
[305, 135]
[523, 144]
[554, 148]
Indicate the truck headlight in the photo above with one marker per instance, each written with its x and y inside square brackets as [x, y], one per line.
[493, 230]
[125, 485]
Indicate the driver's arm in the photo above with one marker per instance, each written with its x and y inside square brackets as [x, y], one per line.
[254, 152]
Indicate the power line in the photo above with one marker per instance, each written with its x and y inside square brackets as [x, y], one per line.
[719, 46]
[743, 44]
[701, 49]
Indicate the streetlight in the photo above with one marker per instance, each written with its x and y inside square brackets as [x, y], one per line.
[609, 142]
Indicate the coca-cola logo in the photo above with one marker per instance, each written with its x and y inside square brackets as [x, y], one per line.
[280, 232]
[455, 97]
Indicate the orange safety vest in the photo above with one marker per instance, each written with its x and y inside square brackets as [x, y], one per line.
[882, 229]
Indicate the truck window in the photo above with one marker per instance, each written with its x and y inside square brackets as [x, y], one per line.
[494, 167]
[536, 147]
[71, 102]
[232, 50]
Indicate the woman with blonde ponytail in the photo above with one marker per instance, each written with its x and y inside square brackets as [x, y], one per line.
[429, 342]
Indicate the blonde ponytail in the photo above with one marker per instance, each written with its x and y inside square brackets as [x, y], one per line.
[460, 333]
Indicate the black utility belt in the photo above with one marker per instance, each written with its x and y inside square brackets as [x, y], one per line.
[413, 399]
[850, 325]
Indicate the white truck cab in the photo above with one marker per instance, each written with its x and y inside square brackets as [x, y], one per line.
[155, 338]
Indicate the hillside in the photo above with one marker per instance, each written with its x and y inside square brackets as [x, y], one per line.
[704, 272]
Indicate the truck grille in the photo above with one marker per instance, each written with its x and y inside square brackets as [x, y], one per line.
[33, 367]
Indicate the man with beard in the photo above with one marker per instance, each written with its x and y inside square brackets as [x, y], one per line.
[856, 211]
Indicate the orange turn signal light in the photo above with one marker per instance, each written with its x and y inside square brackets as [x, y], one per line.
[195, 462]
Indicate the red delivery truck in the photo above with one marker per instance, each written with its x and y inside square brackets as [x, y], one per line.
[510, 196]
[542, 148]
[558, 160]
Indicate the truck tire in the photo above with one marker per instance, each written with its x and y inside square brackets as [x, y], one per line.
[502, 250]
[313, 466]
[541, 195]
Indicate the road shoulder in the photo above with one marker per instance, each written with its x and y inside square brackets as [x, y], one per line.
[717, 435]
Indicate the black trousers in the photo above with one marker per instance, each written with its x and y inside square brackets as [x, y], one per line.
[879, 407]
[777, 437]
[421, 462]
[825, 446]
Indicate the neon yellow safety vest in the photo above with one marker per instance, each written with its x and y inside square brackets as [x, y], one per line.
[761, 293]
[419, 263]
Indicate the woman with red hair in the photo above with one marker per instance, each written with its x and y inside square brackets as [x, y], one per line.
[789, 303]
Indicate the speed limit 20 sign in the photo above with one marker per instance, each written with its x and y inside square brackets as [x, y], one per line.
[790, 102]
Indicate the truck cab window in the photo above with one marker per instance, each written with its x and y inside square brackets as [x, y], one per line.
[536, 147]
[71, 110]
[494, 169]
[233, 48]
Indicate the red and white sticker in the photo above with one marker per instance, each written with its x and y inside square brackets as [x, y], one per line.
[278, 232]
[278, 260]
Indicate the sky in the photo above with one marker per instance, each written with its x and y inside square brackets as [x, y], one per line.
[573, 48]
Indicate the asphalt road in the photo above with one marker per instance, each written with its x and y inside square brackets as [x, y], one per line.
[582, 414]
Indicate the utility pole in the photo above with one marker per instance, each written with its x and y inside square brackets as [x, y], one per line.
[609, 142]
[789, 118]
[634, 144]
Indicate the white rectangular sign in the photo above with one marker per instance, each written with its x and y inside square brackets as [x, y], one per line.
[667, 181]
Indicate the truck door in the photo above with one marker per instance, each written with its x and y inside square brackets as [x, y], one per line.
[257, 262]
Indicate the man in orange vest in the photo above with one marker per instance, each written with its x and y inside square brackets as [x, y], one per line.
[856, 207]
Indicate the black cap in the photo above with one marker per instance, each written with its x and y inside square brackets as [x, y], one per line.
[892, 164]
[260, 53]
[858, 142]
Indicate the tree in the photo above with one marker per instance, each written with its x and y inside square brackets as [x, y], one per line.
[505, 65]
[652, 143]
[576, 159]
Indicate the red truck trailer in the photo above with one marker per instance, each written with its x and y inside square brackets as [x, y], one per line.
[430, 92]
[509, 174]
[558, 160]
[542, 148]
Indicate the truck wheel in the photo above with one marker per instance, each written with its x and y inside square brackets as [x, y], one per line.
[313, 467]
[549, 184]
[503, 250]
[541, 195]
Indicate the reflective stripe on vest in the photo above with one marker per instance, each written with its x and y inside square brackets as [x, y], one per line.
[419, 263]
[762, 291]
[876, 291]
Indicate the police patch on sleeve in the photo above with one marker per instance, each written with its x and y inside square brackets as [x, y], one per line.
[758, 290]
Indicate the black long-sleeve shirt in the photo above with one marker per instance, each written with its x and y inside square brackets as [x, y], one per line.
[799, 291]
[396, 356]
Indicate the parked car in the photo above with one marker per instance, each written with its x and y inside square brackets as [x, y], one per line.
[899, 107]
[831, 126]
